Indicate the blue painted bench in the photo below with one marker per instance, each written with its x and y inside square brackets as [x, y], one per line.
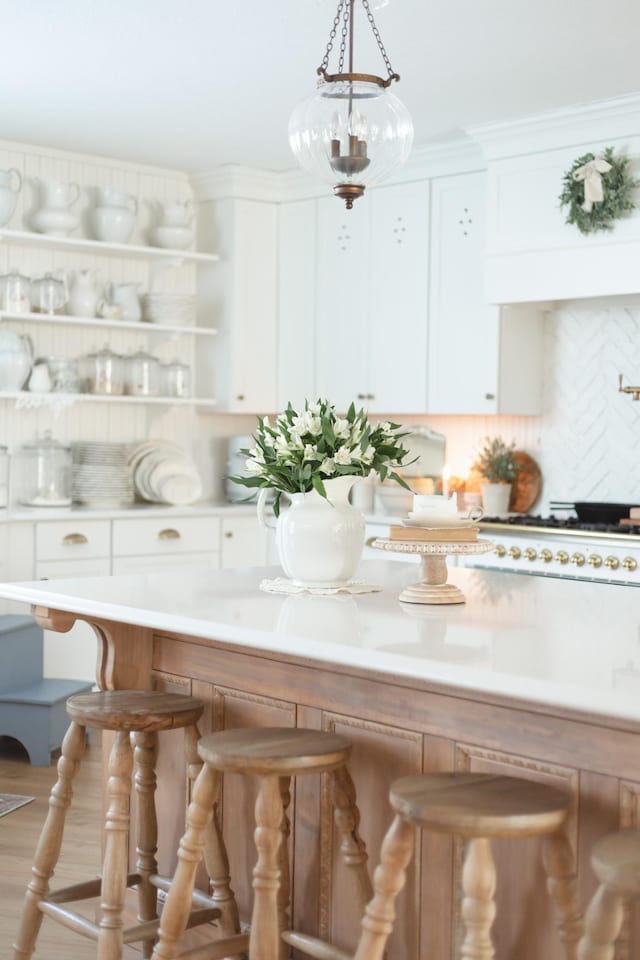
[32, 708]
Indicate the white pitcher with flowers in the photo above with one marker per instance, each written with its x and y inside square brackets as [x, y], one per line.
[314, 457]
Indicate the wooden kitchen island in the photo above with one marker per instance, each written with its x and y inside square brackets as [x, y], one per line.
[532, 677]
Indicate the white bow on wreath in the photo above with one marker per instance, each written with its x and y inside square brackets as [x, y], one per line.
[591, 173]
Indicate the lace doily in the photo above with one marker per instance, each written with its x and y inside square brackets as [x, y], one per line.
[283, 585]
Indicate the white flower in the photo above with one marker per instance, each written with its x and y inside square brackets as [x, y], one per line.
[296, 440]
[328, 465]
[368, 454]
[282, 444]
[310, 452]
[343, 457]
[254, 467]
[257, 454]
[314, 408]
[342, 428]
[385, 426]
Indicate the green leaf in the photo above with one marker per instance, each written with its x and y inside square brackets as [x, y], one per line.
[398, 479]
[351, 413]
[319, 486]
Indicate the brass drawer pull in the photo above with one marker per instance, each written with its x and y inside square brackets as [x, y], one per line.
[169, 534]
[73, 539]
[228, 534]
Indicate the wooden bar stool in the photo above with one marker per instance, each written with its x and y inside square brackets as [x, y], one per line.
[478, 807]
[275, 755]
[135, 716]
[616, 863]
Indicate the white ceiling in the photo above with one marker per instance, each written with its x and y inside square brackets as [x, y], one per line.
[196, 83]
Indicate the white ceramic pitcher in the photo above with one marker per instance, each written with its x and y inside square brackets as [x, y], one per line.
[319, 540]
[10, 186]
[54, 215]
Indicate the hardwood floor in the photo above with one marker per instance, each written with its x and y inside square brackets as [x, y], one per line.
[19, 833]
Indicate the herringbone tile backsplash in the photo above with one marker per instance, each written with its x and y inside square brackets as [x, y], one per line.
[587, 440]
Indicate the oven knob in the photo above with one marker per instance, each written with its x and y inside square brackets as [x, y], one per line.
[578, 559]
[530, 554]
[630, 564]
[515, 553]
[546, 555]
[612, 563]
[562, 557]
[594, 560]
[499, 550]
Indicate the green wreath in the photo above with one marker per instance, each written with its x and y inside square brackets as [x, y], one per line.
[617, 201]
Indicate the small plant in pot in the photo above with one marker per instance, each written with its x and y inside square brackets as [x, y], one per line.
[496, 463]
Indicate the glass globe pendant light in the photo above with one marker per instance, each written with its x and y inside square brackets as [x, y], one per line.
[352, 130]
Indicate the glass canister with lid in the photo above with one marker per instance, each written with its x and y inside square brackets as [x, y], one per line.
[102, 372]
[43, 473]
[176, 379]
[142, 375]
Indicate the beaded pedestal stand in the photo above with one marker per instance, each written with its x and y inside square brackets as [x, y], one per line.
[433, 586]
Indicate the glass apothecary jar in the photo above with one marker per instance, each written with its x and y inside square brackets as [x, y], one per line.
[15, 292]
[43, 473]
[102, 373]
[175, 379]
[142, 375]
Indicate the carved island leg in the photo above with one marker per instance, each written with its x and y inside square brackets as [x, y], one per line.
[284, 889]
[603, 922]
[264, 940]
[478, 905]
[48, 849]
[559, 862]
[352, 846]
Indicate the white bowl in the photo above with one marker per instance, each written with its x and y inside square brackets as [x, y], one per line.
[174, 238]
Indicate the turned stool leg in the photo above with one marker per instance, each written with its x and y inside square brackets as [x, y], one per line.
[145, 759]
[264, 940]
[48, 851]
[559, 862]
[284, 887]
[478, 905]
[388, 880]
[602, 926]
[215, 852]
[116, 849]
[176, 909]
[352, 846]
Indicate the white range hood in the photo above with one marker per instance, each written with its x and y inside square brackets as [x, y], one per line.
[532, 254]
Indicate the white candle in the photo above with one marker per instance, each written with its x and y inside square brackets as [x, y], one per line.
[446, 473]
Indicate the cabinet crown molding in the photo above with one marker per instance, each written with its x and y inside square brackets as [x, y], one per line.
[586, 123]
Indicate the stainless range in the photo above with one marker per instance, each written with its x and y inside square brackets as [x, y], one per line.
[555, 548]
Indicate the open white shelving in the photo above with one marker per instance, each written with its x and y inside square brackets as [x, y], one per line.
[159, 329]
[26, 400]
[26, 238]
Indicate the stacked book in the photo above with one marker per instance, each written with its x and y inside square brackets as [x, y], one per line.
[464, 533]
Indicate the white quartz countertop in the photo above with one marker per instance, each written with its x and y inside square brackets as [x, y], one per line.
[563, 643]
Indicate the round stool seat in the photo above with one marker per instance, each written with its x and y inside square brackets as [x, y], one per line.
[616, 862]
[133, 710]
[479, 804]
[280, 751]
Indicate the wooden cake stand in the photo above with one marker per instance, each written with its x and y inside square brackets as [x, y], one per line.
[433, 586]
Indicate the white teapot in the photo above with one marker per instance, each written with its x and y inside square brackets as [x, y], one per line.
[173, 224]
[10, 186]
[84, 293]
[114, 217]
[55, 216]
[175, 213]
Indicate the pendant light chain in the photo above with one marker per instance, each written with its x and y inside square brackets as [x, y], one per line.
[344, 14]
[390, 71]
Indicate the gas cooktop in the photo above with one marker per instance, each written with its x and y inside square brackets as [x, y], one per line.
[554, 523]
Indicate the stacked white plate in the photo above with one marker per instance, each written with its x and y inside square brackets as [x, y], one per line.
[101, 475]
[169, 308]
[164, 473]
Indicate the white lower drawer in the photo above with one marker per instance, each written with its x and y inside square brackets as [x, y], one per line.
[72, 539]
[177, 561]
[165, 536]
[61, 569]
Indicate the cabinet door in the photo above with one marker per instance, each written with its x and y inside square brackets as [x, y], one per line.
[296, 303]
[342, 302]
[463, 330]
[399, 278]
[244, 543]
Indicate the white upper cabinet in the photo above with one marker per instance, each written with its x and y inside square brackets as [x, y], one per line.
[240, 296]
[296, 303]
[342, 302]
[482, 360]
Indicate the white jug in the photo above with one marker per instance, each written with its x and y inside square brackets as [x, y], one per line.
[10, 186]
[175, 213]
[83, 293]
[16, 359]
[54, 216]
[125, 295]
[114, 217]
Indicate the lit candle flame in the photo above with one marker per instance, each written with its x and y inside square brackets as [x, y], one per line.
[446, 473]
